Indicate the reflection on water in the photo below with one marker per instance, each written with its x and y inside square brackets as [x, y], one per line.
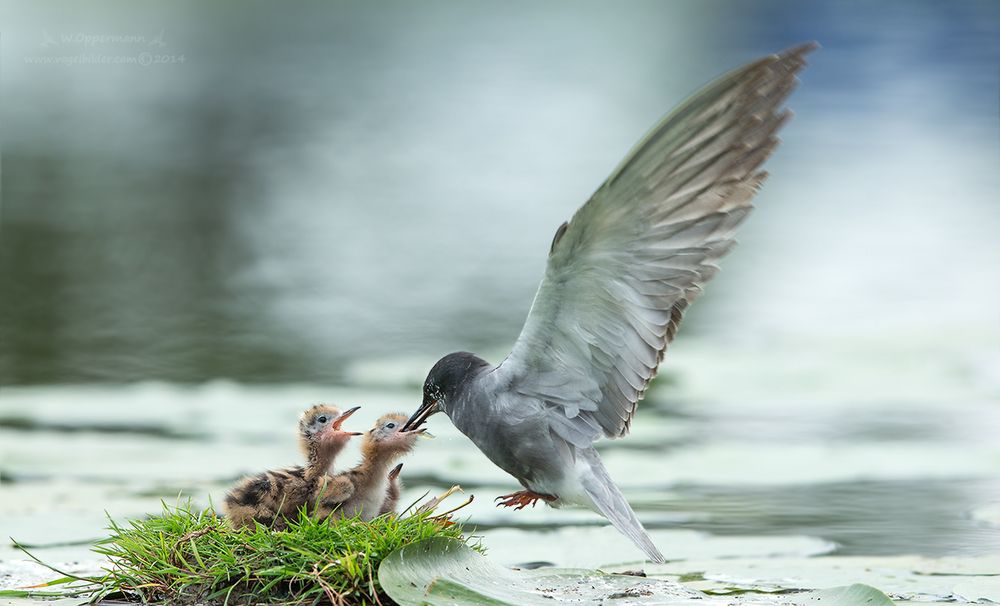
[337, 197]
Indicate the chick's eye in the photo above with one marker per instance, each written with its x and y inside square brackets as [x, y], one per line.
[390, 426]
[322, 419]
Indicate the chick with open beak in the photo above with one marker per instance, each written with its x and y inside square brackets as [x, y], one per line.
[272, 496]
[321, 434]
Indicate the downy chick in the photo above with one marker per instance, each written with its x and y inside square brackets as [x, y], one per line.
[380, 448]
[274, 495]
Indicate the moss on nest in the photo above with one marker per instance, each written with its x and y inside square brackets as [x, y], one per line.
[186, 557]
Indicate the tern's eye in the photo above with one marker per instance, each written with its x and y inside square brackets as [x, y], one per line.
[390, 425]
[323, 419]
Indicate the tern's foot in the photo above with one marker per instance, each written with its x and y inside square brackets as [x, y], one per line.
[523, 498]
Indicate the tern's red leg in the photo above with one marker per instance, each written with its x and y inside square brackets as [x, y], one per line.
[522, 498]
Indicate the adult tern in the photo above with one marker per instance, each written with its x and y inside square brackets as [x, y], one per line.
[620, 274]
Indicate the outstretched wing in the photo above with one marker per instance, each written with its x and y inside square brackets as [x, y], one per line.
[621, 272]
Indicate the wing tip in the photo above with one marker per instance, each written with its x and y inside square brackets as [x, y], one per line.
[797, 52]
[560, 232]
[804, 48]
[758, 179]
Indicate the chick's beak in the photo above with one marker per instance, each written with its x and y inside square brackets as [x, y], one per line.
[344, 416]
[427, 408]
[335, 430]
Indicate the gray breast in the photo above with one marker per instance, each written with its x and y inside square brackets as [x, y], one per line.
[513, 432]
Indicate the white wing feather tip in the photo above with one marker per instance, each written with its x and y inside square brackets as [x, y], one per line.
[559, 234]
[623, 270]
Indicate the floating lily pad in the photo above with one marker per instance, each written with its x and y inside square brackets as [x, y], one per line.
[440, 572]
[851, 595]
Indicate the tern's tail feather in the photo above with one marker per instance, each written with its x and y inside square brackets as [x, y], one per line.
[611, 503]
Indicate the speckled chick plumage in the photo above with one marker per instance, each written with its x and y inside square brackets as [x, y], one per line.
[272, 496]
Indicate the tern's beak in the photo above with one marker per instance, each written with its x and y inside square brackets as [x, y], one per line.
[427, 408]
[344, 416]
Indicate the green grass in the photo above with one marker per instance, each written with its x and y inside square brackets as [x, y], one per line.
[188, 557]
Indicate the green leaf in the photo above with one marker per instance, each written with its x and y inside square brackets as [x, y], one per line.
[440, 571]
[851, 595]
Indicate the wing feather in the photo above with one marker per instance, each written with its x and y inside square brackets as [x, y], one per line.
[622, 271]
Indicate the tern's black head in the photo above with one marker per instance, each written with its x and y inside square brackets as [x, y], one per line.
[449, 375]
[445, 380]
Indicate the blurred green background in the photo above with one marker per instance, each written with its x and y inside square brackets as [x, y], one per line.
[312, 187]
